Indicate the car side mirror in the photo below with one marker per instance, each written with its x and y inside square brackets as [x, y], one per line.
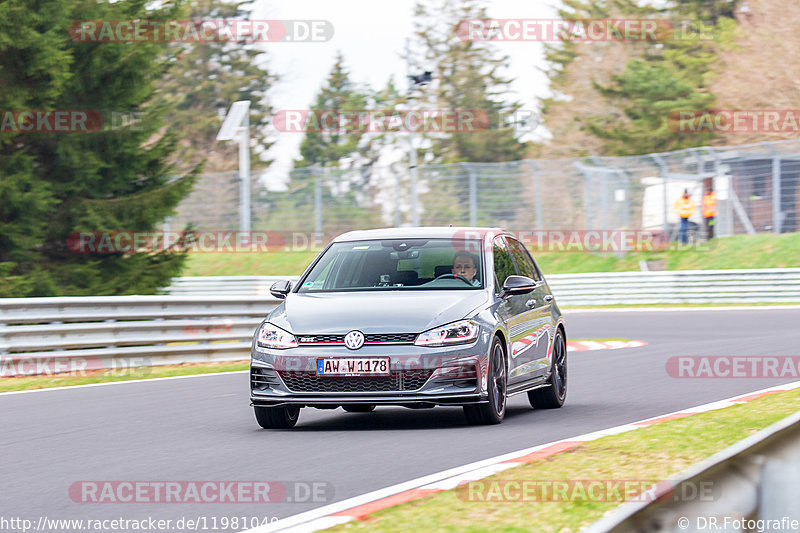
[517, 285]
[281, 288]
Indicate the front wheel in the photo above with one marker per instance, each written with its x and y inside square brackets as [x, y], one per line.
[277, 417]
[494, 411]
[553, 397]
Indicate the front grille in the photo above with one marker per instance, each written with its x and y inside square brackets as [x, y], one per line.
[383, 338]
[406, 380]
[262, 378]
[399, 338]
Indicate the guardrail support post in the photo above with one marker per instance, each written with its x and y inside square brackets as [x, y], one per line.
[3, 350]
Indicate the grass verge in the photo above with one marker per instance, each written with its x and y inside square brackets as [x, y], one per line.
[652, 453]
[739, 251]
[18, 383]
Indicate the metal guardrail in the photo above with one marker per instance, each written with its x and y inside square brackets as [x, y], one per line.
[218, 285]
[38, 335]
[688, 286]
[213, 318]
[755, 479]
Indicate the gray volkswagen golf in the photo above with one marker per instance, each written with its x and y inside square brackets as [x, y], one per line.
[416, 317]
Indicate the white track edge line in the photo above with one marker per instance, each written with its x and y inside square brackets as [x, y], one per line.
[303, 522]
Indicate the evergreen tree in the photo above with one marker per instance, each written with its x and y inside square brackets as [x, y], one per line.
[675, 76]
[468, 76]
[53, 184]
[711, 11]
[340, 157]
[207, 77]
[635, 85]
[332, 146]
[576, 68]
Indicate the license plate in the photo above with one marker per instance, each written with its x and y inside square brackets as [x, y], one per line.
[353, 366]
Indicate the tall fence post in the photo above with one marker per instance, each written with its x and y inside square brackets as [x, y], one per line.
[729, 224]
[587, 225]
[537, 192]
[776, 194]
[601, 171]
[318, 204]
[397, 190]
[665, 177]
[412, 174]
[473, 194]
[244, 177]
[604, 202]
[626, 206]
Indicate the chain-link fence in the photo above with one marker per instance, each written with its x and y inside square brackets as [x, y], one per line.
[757, 188]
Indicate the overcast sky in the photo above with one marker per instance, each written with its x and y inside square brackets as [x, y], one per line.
[371, 35]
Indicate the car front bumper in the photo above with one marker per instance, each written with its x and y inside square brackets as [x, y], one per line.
[420, 377]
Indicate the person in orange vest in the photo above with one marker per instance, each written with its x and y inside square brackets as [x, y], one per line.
[685, 206]
[710, 211]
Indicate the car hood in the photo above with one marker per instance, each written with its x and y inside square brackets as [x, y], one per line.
[374, 312]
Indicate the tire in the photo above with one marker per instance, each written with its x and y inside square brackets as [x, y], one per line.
[359, 408]
[553, 396]
[277, 417]
[494, 411]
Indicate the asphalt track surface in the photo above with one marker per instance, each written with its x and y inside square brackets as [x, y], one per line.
[202, 428]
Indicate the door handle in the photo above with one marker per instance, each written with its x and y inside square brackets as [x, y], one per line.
[530, 303]
[548, 298]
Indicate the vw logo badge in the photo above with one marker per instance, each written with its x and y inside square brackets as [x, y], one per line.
[354, 340]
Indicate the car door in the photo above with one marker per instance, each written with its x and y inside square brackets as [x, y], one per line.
[535, 319]
[514, 312]
[510, 307]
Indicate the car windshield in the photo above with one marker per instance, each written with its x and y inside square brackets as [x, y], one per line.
[397, 264]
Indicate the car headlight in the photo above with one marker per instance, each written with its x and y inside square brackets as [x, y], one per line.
[270, 336]
[461, 332]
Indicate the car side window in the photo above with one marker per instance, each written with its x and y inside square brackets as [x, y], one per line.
[503, 266]
[522, 260]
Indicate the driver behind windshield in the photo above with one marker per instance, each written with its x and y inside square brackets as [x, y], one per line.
[464, 265]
